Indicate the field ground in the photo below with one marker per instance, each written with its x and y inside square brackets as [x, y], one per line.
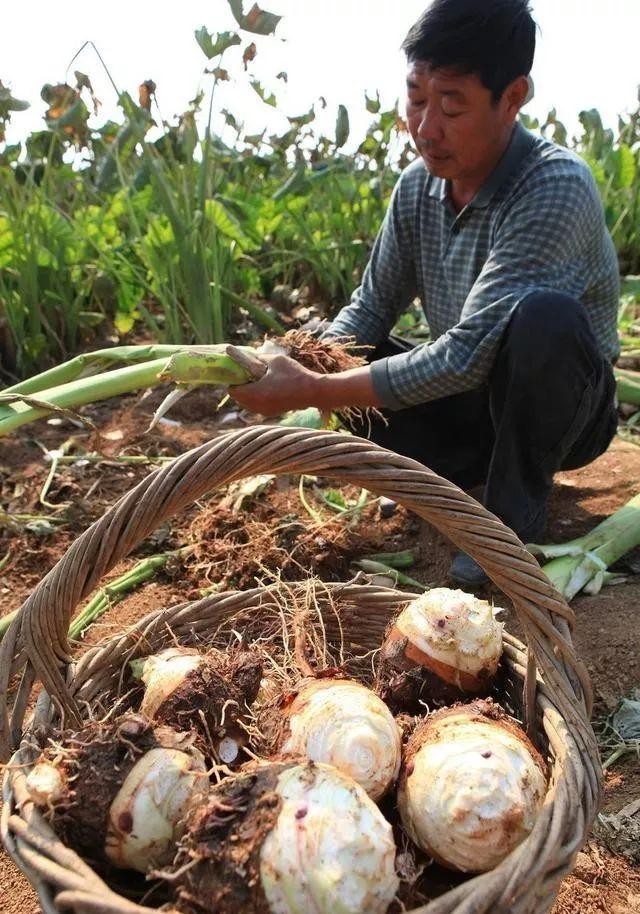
[607, 633]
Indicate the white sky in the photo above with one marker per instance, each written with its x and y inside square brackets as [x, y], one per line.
[587, 55]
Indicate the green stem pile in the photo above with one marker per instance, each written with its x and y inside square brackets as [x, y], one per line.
[582, 563]
[110, 593]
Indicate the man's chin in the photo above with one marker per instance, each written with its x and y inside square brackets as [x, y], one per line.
[439, 168]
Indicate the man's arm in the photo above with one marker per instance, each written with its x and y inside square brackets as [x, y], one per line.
[288, 385]
[540, 244]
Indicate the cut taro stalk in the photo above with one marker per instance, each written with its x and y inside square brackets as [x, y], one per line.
[286, 838]
[119, 792]
[443, 645]
[207, 693]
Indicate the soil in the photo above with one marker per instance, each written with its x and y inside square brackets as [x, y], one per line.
[270, 533]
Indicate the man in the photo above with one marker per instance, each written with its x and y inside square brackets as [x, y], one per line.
[502, 236]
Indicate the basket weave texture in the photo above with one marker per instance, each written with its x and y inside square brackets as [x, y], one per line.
[549, 684]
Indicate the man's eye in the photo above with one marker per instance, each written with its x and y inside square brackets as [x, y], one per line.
[416, 103]
[452, 113]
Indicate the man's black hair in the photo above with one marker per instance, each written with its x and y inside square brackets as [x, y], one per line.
[494, 39]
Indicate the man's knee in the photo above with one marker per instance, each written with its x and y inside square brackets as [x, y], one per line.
[548, 338]
[547, 319]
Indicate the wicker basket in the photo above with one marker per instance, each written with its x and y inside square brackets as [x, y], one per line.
[547, 681]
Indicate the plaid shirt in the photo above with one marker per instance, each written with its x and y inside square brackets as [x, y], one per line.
[537, 223]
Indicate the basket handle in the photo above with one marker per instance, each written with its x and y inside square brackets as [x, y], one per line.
[37, 641]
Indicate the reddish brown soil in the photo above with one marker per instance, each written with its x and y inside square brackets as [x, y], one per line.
[607, 635]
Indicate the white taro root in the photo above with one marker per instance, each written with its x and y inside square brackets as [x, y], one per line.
[120, 792]
[443, 644]
[207, 693]
[287, 838]
[471, 786]
[343, 723]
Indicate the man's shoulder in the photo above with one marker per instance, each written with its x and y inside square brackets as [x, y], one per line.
[550, 165]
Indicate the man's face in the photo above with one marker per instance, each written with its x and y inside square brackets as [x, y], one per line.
[456, 127]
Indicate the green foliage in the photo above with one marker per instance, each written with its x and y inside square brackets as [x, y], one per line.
[186, 233]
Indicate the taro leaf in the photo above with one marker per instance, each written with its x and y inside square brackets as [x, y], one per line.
[256, 20]
[309, 418]
[229, 119]
[342, 126]
[626, 720]
[286, 140]
[255, 138]
[225, 223]
[262, 92]
[335, 498]
[249, 54]
[301, 119]
[373, 104]
[625, 165]
[296, 183]
[210, 47]
[9, 103]
[124, 322]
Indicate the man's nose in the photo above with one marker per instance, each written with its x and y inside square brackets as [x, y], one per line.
[430, 126]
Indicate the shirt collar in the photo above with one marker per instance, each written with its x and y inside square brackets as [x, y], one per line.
[519, 146]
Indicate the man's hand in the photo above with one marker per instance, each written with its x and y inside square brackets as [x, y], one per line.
[285, 385]
[288, 385]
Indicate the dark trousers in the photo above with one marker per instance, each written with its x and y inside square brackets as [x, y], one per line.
[549, 405]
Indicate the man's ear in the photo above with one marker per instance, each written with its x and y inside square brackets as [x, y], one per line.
[517, 94]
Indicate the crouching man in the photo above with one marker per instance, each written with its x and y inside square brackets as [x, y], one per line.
[501, 235]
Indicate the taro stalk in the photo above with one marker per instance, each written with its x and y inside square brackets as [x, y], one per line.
[628, 386]
[582, 563]
[204, 365]
[106, 596]
[76, 383]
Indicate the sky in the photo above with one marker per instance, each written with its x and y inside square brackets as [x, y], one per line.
[587, 56]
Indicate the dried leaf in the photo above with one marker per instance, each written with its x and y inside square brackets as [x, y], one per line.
[626, 720]
[256, 20]
[146, 92]
[249, 54]
[83, 82]
[241, 494]
[283, 76]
